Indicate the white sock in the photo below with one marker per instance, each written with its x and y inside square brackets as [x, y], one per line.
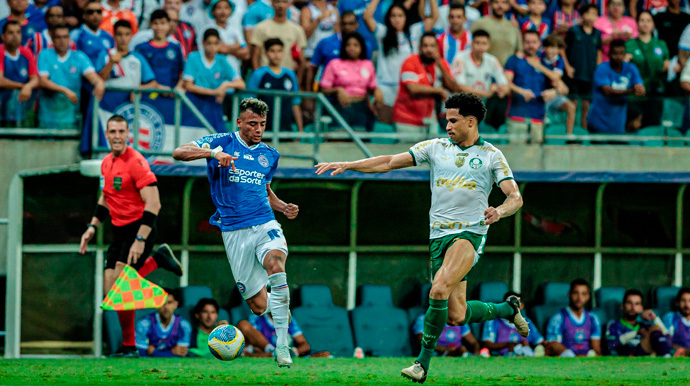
[279, 303]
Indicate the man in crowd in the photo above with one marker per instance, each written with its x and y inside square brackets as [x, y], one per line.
[639, 332]
[280, 27]
[90, 38]
[505, 37]
[119, 67]
[574, 331]
[18, 13]
[18, 76]
[678, 323]
[40, 40]
[478, 69]
[454, 40]
[205, 315]
[163, 334]
[329, 48]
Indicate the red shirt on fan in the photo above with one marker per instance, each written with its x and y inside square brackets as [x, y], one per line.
[121, 180]
[412, 110]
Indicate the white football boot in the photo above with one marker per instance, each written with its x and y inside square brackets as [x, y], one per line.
[415, 373]
[282, 356]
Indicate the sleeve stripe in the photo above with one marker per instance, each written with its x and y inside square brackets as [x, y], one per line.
[506, 178]
[414, 159]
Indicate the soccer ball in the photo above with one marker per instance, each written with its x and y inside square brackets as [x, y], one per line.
[226, 342]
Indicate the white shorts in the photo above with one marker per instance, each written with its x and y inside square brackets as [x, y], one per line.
[246, 249]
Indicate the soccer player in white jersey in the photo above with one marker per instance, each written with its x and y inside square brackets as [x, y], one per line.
[464, 168]
[240, 169]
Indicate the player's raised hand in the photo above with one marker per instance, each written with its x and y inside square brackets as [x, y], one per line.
[337, 167]
[648, 315]
[291, 211]
[226, 160]
[85, 238]
[491, 215]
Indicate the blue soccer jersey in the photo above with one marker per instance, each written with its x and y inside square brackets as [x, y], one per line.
[607, 114]
[256, 13]
[527, 77]
[240, 197]
[67, 71]
[556, 64]
[286, 80]
[18, 68]
[92, 43]
[150, 332]
[30, 26]
[166, 61]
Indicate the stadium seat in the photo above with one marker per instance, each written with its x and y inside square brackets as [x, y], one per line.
[381, 331]
[675, 143]
[375, 296]
[492, 291]
[542, 314]
[555, 293]
[239, 313]
[558, 129]
[190, 295]
[665, 299]
[413, 313]
[112, 332]
[325, 326]
[609, 299]
[672, 115]
[651, 131]
[603, 316]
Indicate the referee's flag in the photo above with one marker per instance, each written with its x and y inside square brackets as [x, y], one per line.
[133, 292]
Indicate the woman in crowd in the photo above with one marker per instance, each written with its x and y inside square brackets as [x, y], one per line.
[615, 26]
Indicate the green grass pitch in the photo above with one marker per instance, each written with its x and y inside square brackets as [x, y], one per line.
[345, 371]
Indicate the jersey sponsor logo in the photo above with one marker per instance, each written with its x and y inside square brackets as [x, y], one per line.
[236, 154]
[263, 161]
[151, 125]
[248, 156]
[117, 183]
[476, 163]
[450, 224]
[457, 182]
[504, 167]
[487, 148]
[241, 287]
[246, 177]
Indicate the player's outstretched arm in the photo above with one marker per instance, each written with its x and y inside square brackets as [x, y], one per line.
[380, 164]
[511, 205]
[191, 152]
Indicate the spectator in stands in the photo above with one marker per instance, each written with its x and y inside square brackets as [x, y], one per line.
[275, 77]
[89, 38]
[40, 40]
[163, 55]
[163, 334]
[329, 48]
[18, 13]
[352, 80]
[260, 337]
[291, 34]
[574, 331]
[471, 14]
[209, 76]
[142, 10]
[113, 11]
[74, 12]
[60, 76]
[479, 70]
[678, 323]
[205, 315]
[613, 82]
[551, 59]
[181, 32]
[424, 79]
[583, 50]
[319, 20]
[615, 26]
[455, 341]
[650, 56]
[635, 7]
[505, 38]
[529, 82]
[257, 12]
[454, 40]
[534, 20]
[502, 338]
[565, 16]
[670, 25]
[18, 76]
[232, 43]
[639, 332]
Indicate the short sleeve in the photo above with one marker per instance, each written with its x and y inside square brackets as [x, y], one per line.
[635, 78]
[421, 152]
[535, 336]
[418, 326]
[600, 78]
[294, 329]
[186, 335]
[214, 140]
[269, 176]
[372, 75]
[489, 331]
[664, 48]
[189, 72]
[380, 32]
[684, 42]
[141, 173]
[668, 318]
[84, 63]
[328, 76]
[408, 73]
[596, 327]
[254, 79]
[258, 36]
[44, 63]
[295, 87]
[465, 330]
[554, 330]
[511, 64]
[33, 68]
[317, 57]
[147, 74]
[499, 75]
[142, 333]
[500, 170]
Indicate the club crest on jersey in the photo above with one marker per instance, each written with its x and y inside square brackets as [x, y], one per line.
[171, 54]
[475, 163]
[23, 72]
[241, 287]
[460, 159]
[151, 125]
[117, 183]
[263, 161]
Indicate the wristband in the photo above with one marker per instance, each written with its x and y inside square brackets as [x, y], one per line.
[89, 225]
[216, 151]
[148, 219]
[101, 213]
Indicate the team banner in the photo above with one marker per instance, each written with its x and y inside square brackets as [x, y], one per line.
[156, 120]
[133, 292]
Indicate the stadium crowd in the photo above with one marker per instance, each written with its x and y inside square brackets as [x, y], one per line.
[574, 330]
[610, 62]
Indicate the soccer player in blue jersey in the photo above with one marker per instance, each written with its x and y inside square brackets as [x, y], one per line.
[60, 76]
[90, 38]
[240, 169]
[209, 77]
[18, 75]
[276, 77]
[164, 55]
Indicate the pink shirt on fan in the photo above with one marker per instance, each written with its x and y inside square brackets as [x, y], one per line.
[606, 25]
[356, 77]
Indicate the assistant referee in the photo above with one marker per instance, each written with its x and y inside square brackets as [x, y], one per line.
[129, 193]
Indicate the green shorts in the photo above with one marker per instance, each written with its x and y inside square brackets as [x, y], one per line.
[438, 248]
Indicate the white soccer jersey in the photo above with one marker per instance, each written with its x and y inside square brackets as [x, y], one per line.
[461, 180]
[480, 77]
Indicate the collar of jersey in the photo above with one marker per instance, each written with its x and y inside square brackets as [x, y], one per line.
[479, 142]
[237, 135]
[630, 326]
[577, 321]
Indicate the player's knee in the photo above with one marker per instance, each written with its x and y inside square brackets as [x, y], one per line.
[258, 305]
[440, 290]
[119, 265]
[457, 317]
[274, 262]
[244, 326]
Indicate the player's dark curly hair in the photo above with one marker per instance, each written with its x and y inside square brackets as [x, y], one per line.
[632, 292]
[681, 292]
[578, 282]
[468, 104]
[254, 105]
[203, 303]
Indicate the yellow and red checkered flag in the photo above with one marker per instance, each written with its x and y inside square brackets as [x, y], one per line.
[133, 292]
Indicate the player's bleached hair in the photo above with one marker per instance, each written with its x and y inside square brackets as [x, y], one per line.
[254, 105]
[468, 104]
